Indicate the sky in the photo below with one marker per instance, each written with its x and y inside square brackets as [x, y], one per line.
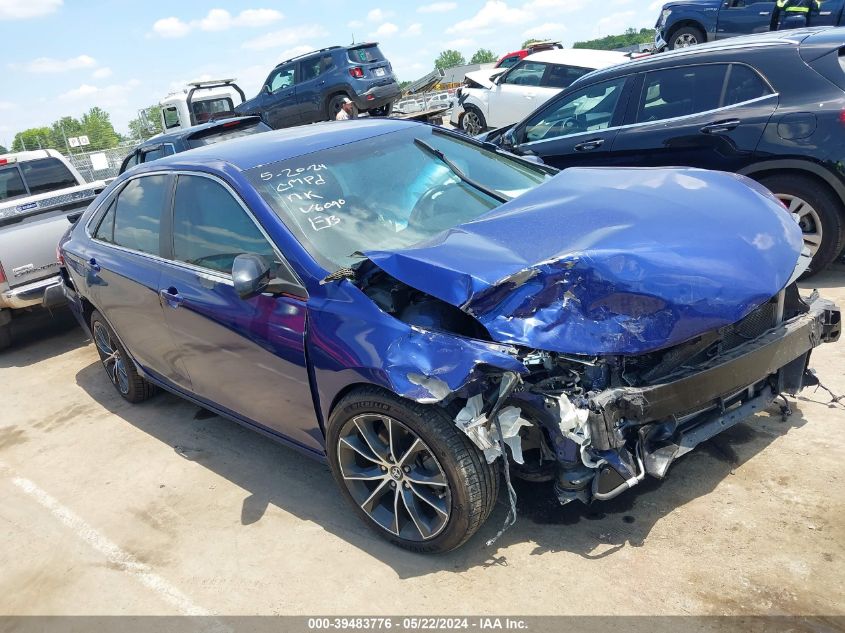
[61, 57]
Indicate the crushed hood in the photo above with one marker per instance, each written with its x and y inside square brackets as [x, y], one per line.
[610, 261]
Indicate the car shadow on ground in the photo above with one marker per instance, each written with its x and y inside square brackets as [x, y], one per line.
[39, 335]
[274, 475]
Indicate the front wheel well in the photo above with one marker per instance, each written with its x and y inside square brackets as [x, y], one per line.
[804, 173]
[685, 23]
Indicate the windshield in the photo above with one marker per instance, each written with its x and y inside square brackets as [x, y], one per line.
[387, 192]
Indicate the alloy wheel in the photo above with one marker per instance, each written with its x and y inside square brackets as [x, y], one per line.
[685, 40]
[394, 477]
[112, 359]
[471, 123]
[806, 217]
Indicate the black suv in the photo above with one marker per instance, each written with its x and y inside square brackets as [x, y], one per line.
[768, 106]
[312, 87]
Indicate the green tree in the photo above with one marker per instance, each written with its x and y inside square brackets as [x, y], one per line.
[146, 124]
[483, 56]
[449, 59]
[65, 127]
[97, 126]
[34, 138]
[3, 149]
[631, 37]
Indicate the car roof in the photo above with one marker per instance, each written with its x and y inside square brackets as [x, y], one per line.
[774, 39]
[188, 131]
[260, 149]
[583, 57]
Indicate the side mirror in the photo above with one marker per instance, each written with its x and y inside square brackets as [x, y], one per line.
[265, 88]
[251, 275]
[509, 139]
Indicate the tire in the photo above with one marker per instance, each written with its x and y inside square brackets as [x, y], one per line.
[685, 37]
[333, 106]
[463, 486]
[384, 110]
[5, 336]
[473, 122]
[818, 211]
[118, 365]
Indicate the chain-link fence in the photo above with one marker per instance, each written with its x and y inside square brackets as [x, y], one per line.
[100, 164]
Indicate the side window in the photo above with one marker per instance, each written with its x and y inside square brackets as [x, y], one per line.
[105, 231]
[558, 76]
[313, 68]
[281, 79]
[137, 213]
[509, 61]
[210, 228]
[171, 117]
[585, 110]
[157, 151]
[525, 74]
[744, 85]
[677, 92]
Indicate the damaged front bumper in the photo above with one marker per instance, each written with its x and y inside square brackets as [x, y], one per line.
[605, 441]
[636, 431]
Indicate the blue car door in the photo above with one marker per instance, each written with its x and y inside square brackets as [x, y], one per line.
[310, 88]
[278, 103]
[742, 17]
[830, 13]
[246, 356]
[122, 270]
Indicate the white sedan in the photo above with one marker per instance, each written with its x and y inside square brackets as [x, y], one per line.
[494, 98]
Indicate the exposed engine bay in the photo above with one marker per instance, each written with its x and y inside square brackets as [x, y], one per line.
[598, 425]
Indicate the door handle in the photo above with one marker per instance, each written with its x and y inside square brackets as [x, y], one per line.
[764, 13]
[587, 146]
[720, 126]
[95, 267]
[171, 296]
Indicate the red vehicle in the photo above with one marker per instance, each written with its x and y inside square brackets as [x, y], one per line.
[535, 47]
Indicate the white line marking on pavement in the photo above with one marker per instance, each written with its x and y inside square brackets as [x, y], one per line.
[121, 559]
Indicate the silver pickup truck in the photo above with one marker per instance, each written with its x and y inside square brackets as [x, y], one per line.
[41, 195]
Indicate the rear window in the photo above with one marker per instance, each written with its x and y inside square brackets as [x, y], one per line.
[46, 174]
[210, 109]
[365, 54]
[227, 132]
[11, 183]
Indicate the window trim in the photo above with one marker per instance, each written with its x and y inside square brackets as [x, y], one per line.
[730, 65]
[639, 77]
[99, 215]
[227, 277]
[166, 231]
[627, 84]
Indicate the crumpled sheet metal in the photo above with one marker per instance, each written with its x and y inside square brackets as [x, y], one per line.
[611, 261]
[428, 366]
[472, 421]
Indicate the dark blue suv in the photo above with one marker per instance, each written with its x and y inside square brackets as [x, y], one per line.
[312, 87]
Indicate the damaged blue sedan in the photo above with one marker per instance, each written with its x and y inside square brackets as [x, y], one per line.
[428, 313]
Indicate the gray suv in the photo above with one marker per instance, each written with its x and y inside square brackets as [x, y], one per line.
[312, 87]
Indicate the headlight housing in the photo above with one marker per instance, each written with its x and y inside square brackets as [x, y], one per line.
[664, 15]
